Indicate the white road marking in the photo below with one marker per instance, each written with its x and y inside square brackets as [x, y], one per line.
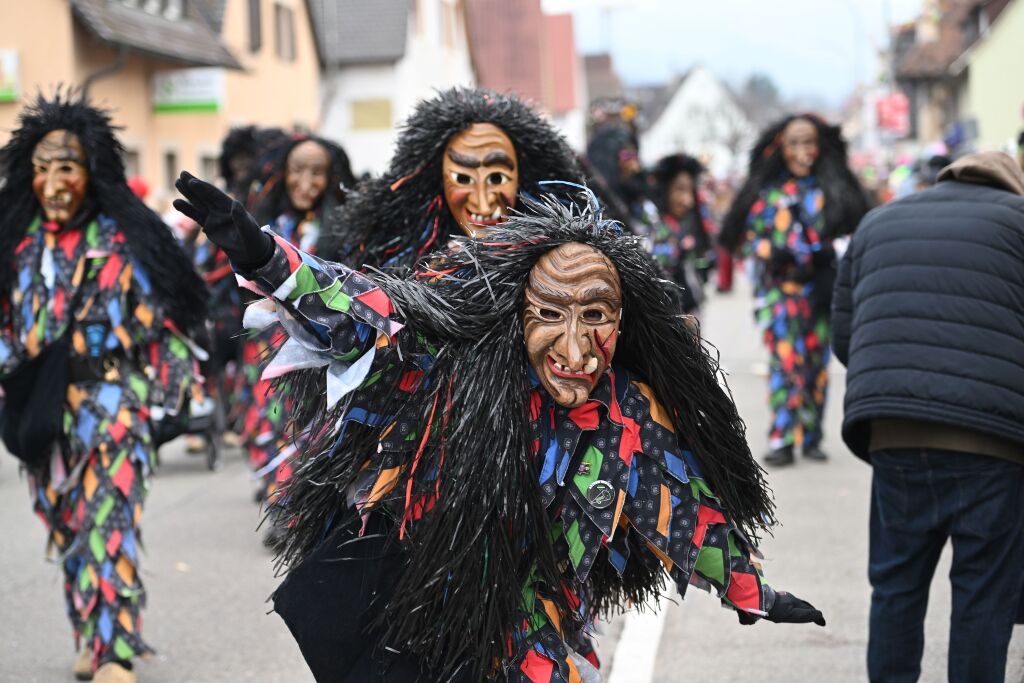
[637, 649]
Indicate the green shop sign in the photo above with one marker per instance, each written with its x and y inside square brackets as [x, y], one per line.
[189, 91]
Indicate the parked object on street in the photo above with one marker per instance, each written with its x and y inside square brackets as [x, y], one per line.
[928, 314]
[799, 196]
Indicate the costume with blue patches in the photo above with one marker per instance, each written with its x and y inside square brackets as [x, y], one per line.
[656, 516]
[786, 240]
[130, 363]
[269, 442]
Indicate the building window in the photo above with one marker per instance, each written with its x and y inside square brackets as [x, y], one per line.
[255, 26]
[284, 20]
[371, 114]
[449, 20]
[209, 168]
[170, 169]
[168, 9]
[173, 9]
[131, 163]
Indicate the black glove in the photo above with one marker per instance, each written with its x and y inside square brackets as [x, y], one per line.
[789, 609]
[225, 222]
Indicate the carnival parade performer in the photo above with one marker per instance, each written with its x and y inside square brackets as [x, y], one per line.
[799, 196]
[463, 160]
[518, 437]
[97, 303]
[305, 181]
[681, 240]
[236, 163]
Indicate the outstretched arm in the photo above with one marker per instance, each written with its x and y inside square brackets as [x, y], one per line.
[724, 561]
[325, 306]
[335, 317]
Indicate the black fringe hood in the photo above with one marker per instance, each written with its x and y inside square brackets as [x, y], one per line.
[666, 171]
[272, 200]
[176, 286]
[845, 199]
[469, 557]
[390, 214]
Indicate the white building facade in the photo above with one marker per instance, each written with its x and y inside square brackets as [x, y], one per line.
[380, 59]
[702, 119]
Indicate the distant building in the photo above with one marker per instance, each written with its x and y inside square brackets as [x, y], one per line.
[513, 62]
[536, 59]
[993, 68]
[924, 55]
[176, 73]
[564, 81]
[603, 81]
[379, 58]
[702, 118]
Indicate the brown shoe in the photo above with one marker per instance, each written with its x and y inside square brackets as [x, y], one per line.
[83, 665]
[112, 672]
[195, 444]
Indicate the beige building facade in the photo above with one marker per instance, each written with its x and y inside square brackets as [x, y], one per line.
[996, 80]
[176, 74]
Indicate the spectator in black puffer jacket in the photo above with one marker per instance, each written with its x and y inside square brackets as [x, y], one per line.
[928, 316]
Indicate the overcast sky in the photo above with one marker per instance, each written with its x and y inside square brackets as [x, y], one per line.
[809, 47]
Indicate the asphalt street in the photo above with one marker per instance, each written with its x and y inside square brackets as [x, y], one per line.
[208, 577]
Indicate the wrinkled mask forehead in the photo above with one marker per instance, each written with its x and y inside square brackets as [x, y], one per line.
[59, 145]
[571, 316]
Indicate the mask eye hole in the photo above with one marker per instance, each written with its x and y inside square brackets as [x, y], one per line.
[461, 178]
[497, 178]
[549, 314]
[593, 316]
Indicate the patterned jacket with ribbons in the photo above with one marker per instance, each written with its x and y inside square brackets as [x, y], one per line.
[613, 472]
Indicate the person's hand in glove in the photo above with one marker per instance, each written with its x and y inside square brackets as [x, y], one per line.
[225, 222]
[786, 608]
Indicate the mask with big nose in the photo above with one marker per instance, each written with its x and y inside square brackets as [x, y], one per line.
[571, 315]
[307, 174]
[60, 178]
[481, 177]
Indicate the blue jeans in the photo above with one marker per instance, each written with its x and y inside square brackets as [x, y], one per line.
[919, 498]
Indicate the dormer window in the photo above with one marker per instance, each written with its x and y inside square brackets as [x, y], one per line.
[172, 10]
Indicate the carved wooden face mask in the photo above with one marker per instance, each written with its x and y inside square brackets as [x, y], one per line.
[800, 147]
[481, 177]
[571, 320]
[306, 174]
[60, 177]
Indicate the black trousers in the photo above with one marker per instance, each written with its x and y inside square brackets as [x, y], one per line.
[332, 600]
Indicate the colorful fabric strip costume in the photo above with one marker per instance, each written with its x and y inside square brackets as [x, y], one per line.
[90, 496]
[619, 482]
[785, 234]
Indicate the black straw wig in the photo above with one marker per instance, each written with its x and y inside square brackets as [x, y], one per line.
[176, 286]
[402, 216]
[240, 141]
[486, 534]
[845, 200]
[273, 197]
